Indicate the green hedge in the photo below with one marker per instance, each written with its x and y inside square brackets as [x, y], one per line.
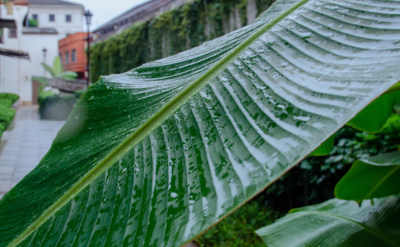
[6, 102]
[8, 97]
[7, 113]
[2, 129]
[167, 34]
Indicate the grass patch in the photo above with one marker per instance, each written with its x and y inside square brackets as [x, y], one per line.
[239, 228]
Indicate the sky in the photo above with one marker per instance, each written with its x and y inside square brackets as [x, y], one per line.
[105, 10]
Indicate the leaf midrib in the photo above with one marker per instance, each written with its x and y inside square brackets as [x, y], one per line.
[156, 120]
[384, 179]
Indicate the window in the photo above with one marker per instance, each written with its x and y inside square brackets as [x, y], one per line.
[68, 18]
[60, 55]
[35, 17]
[67, 57]
[1, 35]
[73, 56]
[12, 33]
[52, 18]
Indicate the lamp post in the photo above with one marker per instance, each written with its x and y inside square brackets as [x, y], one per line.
[88, 16]
[44, 51]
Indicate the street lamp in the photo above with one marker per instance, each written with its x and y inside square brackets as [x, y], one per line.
[88, 16]
[44, 51]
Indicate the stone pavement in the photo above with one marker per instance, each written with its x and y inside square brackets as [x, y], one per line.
[23, 145]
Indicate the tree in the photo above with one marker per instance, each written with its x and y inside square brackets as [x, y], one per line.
[57, 70]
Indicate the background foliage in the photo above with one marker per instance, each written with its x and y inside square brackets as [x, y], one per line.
[312, 181]
[169, 33]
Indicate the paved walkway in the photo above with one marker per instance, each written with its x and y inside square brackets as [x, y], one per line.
[24, 144]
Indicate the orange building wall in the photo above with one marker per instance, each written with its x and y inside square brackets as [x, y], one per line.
[75, 41]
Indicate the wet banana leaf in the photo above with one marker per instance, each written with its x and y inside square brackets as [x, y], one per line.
[338, 223]
[325, 147]
[375, 115]
[155, 156]
[372, 177]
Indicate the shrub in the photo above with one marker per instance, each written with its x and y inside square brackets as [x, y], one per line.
[2, 128]
[6, 115]
[79, 93]
[6, 102]
[10, 96]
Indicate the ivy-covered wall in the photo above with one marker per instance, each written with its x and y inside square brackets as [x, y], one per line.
[171, 32]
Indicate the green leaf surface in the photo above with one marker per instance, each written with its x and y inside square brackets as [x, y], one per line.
[157, 155]
[325, 148]
[57, 66]
[338, 223]
[49, 69]
[394, 88]
[375, 115]
[372, 177]
[68, 75]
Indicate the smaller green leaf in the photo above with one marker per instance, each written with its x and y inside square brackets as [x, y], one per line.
[369, 178]
[394, 88]
[68, 75]
[57, 66]
[374, 116]
[338, 223]
[325, 148]
[48, 69]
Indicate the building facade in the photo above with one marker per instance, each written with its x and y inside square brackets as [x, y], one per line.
[11, 68]
[39, 26]
[72, 53]
[65, 17]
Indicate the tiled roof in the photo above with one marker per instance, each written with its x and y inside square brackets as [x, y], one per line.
[17, 2]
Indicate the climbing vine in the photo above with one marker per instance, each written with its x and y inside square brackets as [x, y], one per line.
[169, 33]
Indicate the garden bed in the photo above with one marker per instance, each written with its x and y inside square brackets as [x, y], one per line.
[7, 113]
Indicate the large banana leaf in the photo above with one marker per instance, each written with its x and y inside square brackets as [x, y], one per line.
[372, 177]
[157, 155]
[375, 115]
[338, 223]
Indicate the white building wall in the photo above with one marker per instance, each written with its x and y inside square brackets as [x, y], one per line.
[16, 74]
[10, 68]
[31, 68]
[64, 28]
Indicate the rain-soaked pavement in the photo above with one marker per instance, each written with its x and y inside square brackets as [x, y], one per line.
[23, 145]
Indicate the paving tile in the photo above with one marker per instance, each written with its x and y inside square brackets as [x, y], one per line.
[6, 169]
[5, 185]
[9, 159]
[6, 163]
